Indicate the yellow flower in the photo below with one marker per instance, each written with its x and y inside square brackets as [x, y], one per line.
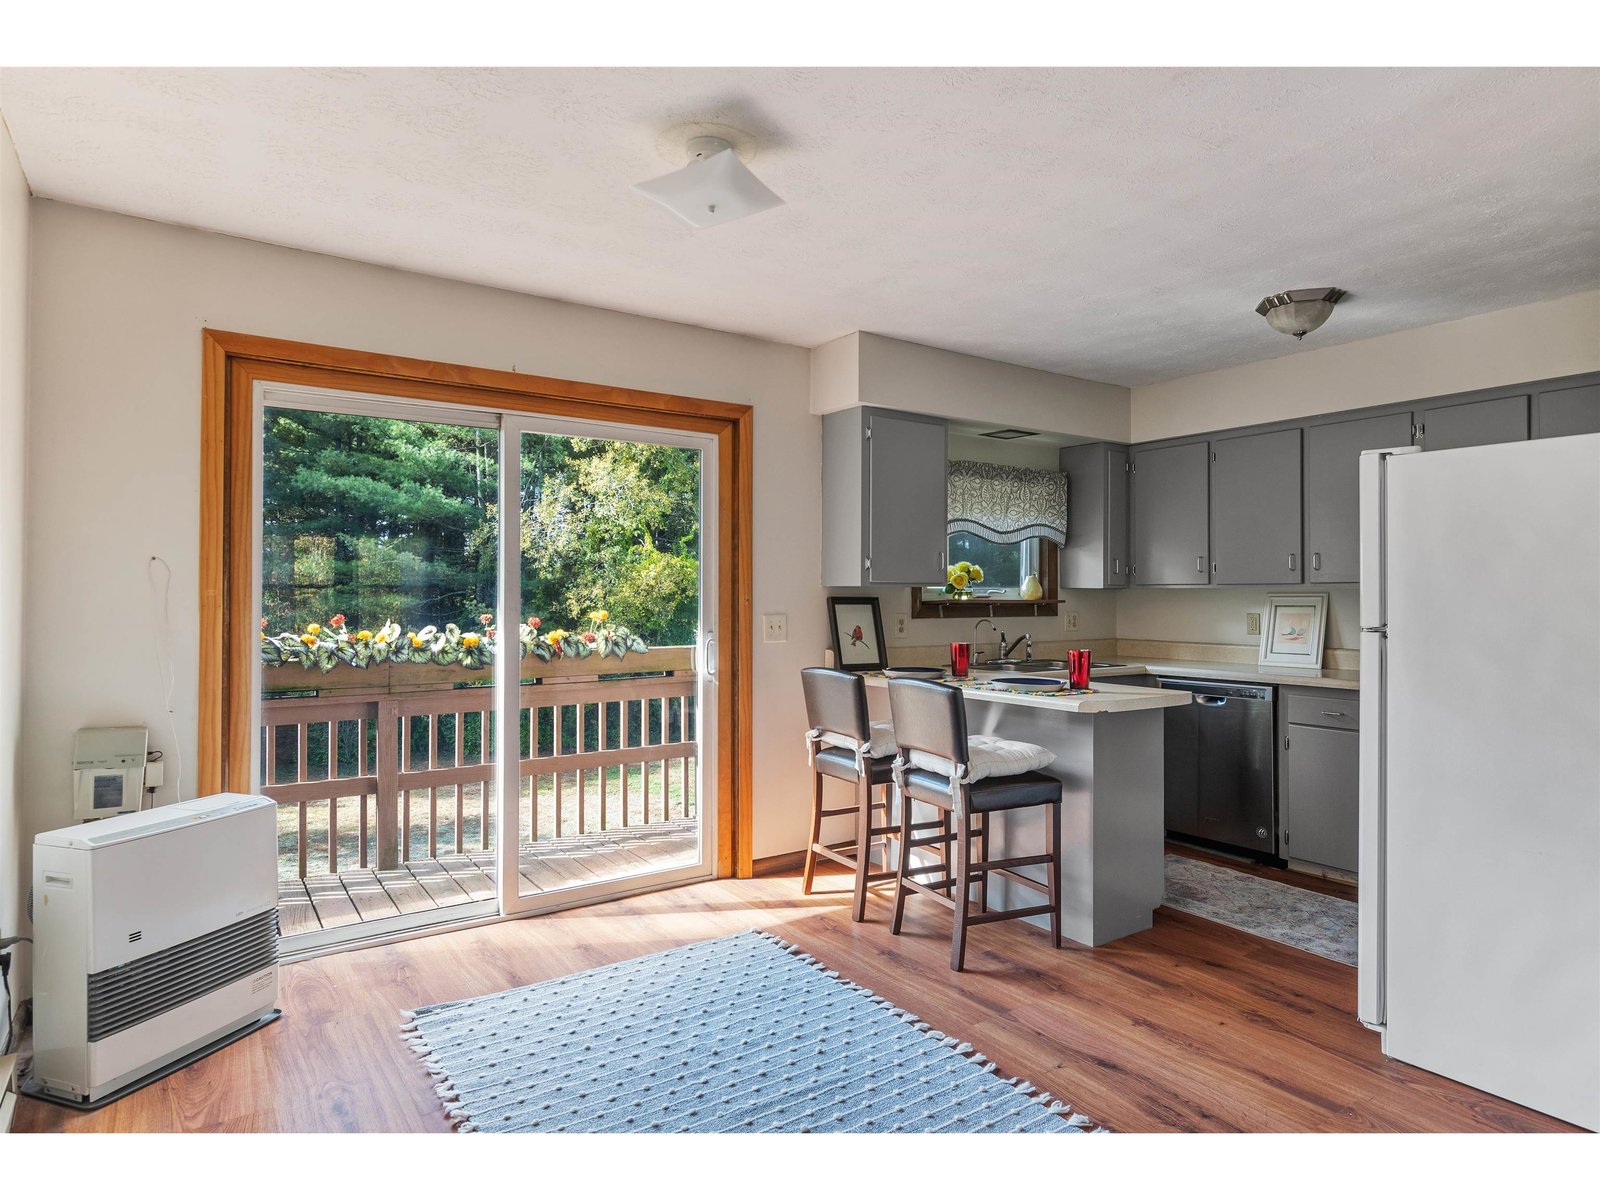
[959, 581]
[313, 628]
[308, 639]
[380, 639]
[415, 640]
[365, 635]
[976, 574]
[602, 615]
[469, 639]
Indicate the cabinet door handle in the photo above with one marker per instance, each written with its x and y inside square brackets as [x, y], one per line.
[1116, 566]
[1291, 560]
[1200, 563]
[1316, 561]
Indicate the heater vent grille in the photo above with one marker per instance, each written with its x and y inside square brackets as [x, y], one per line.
[123, 996]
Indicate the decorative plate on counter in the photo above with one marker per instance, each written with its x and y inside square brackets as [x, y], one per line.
[915, 672]
[1027, 683]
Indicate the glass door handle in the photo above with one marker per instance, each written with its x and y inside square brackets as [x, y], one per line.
[708, 656]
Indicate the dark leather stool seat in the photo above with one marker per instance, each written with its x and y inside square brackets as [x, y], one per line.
[995, 794]
[838, 763]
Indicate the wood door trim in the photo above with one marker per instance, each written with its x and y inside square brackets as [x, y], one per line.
[233, 363]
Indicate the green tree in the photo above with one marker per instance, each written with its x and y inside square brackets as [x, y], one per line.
[385, 519]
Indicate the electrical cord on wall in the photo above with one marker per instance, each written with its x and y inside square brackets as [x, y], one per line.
[161, 641]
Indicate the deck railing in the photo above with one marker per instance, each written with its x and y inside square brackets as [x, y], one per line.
[376, 775]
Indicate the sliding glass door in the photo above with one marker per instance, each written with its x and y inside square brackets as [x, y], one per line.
[614, 701]
[437, 583]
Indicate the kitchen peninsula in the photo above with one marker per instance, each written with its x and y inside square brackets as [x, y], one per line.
[1108, 748]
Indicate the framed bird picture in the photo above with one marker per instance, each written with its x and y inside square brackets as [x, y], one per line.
[857, 633]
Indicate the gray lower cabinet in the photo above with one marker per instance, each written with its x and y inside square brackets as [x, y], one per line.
[1453, 424]
[884, 504]
[1319, 777]
[1333, 493]
[1255, 508]
[1096, 553]
[1565, 411]
[1171, 500]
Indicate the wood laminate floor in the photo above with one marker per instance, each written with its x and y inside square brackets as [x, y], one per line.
[1187, 1026]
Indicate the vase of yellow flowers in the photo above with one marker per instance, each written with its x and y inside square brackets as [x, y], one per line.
[959, 578]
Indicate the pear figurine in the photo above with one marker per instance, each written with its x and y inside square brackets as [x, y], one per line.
[1031, 589]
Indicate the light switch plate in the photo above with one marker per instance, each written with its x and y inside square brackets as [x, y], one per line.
[1252, 624]
[776, 627]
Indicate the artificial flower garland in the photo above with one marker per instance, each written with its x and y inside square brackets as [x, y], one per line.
[327, 645]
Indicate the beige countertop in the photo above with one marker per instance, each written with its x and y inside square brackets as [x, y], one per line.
[1102, 698]
[1241, 672]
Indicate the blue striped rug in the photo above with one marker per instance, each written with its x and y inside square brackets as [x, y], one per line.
[739, 1034]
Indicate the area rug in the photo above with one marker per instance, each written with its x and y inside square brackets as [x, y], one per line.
[1307, 920]
[739, 1034]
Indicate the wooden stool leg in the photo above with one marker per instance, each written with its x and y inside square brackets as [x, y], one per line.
[902, 861]
[863, 846]
[1054, 877]
[961, 892]
[816, 835]
[983, 856]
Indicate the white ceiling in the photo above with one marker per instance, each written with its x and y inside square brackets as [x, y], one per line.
[1118, 225]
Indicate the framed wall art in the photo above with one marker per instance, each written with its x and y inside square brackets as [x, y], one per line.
[857, 633]
[1293, 630]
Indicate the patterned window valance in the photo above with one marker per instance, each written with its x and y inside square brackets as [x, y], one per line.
[1007, 504]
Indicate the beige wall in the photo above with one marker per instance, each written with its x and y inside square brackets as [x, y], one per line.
[1516, 345]
[1217, 615]
[14, 214]
[113, 446]
[867, 368]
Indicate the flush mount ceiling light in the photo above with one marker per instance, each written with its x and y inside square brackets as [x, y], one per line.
[1007, 435]
[715, 186]
[1300, 311]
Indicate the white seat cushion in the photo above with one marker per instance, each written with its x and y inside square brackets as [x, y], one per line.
[989, 756]
[882, 743]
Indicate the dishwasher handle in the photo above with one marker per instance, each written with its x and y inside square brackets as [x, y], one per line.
[1212, 701]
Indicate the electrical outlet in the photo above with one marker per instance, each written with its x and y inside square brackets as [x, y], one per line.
[899, 625]
[777, 627]
[1071, 620]
[1252, 624]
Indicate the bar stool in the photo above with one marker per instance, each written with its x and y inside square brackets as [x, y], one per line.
[967, 780]
[844, 744]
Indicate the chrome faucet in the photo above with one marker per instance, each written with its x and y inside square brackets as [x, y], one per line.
[1005, 650]
[981, 621]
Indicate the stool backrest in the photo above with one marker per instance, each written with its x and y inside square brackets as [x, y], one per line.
[931, 717]
[836, 702]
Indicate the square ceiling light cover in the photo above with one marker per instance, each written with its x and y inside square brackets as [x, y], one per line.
[711, 191]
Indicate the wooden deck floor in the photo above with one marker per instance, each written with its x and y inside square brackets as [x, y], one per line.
[352, 897]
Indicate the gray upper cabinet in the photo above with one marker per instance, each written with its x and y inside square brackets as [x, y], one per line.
[1255, 508]
[1171, 535]
[884, 517]
[1451, 424]
[1096, 553]
[1332, 493]
[1564, 411]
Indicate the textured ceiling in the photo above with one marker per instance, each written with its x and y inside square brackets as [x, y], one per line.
[1118, 225]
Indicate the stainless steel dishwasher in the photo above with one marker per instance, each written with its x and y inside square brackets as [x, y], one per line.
[1220, 782]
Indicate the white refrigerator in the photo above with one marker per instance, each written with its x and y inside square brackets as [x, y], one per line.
[1480, 766]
